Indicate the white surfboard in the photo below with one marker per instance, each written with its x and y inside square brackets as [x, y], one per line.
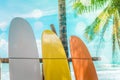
[23, 53]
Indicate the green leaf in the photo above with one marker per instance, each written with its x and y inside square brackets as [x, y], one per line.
[95, 5]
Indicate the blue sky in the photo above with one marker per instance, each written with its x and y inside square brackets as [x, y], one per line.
[40, 14]
[37, 12]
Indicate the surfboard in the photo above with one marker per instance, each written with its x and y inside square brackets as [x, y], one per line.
[23, 53]
[82, 61]
[55, 64]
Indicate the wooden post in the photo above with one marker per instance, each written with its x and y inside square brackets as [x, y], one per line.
[53, 28]
[6, 60]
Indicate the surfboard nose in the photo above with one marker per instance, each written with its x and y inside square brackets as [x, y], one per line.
[22, 38]
[23, 53]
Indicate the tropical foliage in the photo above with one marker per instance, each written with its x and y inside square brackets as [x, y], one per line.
[111, 11]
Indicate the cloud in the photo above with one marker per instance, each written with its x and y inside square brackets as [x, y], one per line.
[50, 12]
[80, 27]
[4, 45]
[3, 26]
[3, 48]
[36, 13]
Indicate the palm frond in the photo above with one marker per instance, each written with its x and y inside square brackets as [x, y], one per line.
[117, 25]
[97, 4]
[92, 30]
[103, 30]
[114, 36]
[80, 8]
[113, 47]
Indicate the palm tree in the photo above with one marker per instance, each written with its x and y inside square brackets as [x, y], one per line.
[62, 24]
[111, 11]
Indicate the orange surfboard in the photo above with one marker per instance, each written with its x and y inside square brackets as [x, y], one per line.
[82, 61]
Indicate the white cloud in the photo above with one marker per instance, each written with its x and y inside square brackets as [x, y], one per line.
[36, 13]
[80, 27]
[3, 26]
[3, 48]
[50, 12]
[4, 45]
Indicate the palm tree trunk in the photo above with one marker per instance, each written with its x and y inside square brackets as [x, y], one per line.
[62, 24]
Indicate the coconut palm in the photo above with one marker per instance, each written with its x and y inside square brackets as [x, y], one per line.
[62, 24]
[111, 11]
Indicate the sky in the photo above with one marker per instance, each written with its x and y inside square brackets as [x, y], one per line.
[40, 14]
[36, 12]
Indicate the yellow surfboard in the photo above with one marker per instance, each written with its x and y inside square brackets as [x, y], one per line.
[55, 64]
